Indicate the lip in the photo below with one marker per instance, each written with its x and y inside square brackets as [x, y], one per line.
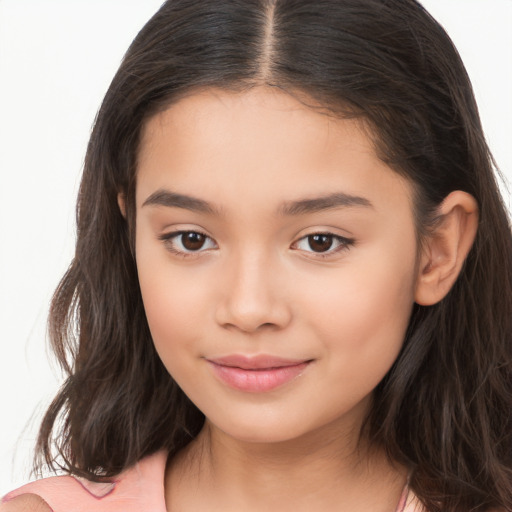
[257, 374]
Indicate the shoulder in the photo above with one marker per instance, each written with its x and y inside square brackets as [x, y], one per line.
[409, 502]
[25, 503]
[49, 494]
[137, 488]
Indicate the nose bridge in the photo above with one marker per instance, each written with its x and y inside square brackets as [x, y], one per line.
[252, 297]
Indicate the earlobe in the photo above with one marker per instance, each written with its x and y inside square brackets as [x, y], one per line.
[121, 201]
[446, 247]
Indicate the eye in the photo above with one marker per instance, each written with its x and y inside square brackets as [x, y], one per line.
[187, 242]
[322, 243]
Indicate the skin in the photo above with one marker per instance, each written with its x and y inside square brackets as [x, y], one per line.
[257, 283]
[257, 287]
[26, 503]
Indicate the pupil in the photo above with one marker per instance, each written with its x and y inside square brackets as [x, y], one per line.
[320, 243]
[193, 241]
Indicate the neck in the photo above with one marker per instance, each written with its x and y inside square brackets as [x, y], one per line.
[319, 471]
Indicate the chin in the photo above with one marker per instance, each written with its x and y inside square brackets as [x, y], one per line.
[270, 429]
[259, 431]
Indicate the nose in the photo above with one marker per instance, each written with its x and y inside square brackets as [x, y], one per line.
[253, 296]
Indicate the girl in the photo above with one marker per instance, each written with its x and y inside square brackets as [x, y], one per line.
[292, 286]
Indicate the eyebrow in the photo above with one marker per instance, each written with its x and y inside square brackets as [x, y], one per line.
[175, 200]
[289, 208]
[316, 204]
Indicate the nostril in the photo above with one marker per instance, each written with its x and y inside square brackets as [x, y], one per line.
[249, 327]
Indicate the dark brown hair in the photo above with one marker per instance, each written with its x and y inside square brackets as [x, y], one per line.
[445, 407]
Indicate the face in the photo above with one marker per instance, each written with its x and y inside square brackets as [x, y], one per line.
[277, 261]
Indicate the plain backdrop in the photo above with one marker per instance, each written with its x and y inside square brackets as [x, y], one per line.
[57, 58]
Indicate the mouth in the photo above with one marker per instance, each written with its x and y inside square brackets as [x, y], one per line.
[257, 374]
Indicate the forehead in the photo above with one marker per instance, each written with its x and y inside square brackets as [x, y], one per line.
[259, 146]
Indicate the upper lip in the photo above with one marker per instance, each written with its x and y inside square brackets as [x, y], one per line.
[256, 362]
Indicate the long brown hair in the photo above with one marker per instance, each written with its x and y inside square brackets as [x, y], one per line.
[445, 407]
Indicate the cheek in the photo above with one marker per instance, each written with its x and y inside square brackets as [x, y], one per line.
[168, 307]
[172, 300]
[174, 318]
[362, 316]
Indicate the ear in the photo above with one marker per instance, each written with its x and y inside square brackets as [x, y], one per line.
[121, 201]
[446, 247]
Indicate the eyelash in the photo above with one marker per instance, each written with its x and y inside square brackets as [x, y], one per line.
[343, 243]
[168, 239]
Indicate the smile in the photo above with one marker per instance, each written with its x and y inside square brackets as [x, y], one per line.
[257, 374]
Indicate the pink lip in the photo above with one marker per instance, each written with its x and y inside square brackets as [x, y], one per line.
[256, 374]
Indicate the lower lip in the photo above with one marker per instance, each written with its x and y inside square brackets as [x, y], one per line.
[257, 381]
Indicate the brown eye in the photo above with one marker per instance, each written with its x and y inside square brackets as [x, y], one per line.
[193, 241]
[320, 243]
[187, 242]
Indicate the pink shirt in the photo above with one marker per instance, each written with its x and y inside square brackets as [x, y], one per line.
[138, 489]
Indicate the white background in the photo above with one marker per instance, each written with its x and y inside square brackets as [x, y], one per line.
[57, 58]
